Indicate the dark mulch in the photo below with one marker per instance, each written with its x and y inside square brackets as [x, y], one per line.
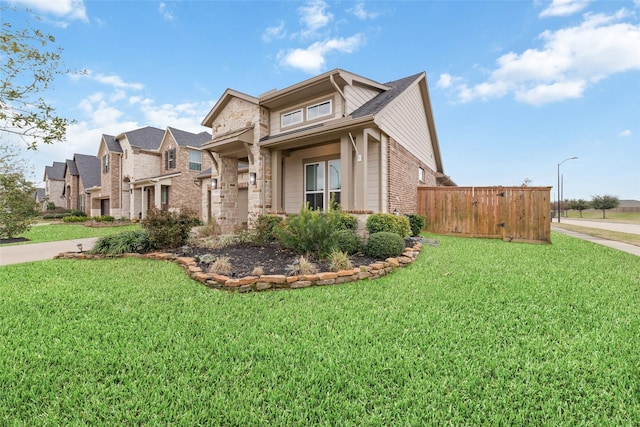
[13, 240]
[271, 257]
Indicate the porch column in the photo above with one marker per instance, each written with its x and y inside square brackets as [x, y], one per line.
[346, 163]
[157, 196]
[224, 199]
[276, 181]
[144, 196]
[360, 172]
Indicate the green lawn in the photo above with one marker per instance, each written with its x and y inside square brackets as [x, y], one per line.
[474, 332]
[596, 215]
[60, 231]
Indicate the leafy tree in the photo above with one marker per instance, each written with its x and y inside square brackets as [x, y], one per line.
[578, 205]
[29, 63]
[604, 202]
[17, 204]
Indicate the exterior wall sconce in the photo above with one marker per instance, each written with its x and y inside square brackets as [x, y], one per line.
[252, 178]
[214, 183]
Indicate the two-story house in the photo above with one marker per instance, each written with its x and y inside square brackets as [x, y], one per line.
[173, 183]
[81, 173]
[149, 167]
[54, 184]
[335, 137]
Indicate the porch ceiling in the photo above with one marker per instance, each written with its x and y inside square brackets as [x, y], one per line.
[232, 144]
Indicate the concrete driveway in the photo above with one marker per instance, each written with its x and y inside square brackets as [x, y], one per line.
[41, 251]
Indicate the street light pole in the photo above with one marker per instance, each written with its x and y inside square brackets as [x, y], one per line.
[558, 192]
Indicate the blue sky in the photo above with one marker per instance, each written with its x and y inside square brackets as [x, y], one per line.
[516, 86]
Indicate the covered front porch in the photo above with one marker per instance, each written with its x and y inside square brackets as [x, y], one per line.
[148, 193]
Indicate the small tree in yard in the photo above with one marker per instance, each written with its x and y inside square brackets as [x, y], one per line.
[578, 205]
[18, 206]
[604, 202]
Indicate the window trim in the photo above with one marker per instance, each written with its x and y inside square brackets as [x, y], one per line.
[199, 164]
[170, 159]
[105, 163]
[326, 191]
[421, 174]
[291, 113]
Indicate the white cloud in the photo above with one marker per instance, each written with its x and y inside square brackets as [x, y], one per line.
[625, 133]
[570, 60]
[110, 80]
[312, 59]
[445, 81]
[165, 12]
[68, 9]
[314, 16]
[564, 7]
[361, 13]
[276, 32]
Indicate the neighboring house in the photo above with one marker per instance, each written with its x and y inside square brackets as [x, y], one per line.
[54, 184]
[337, 136]
[149, 167]
[39, 195]
[172, 184]
[81, 173]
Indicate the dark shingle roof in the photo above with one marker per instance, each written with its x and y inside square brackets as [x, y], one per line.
[112, 144]
[71, 165]
[146, 138]
[381, 100]
[55, 172]
[40, 193]
[88, 169]
[188, 139]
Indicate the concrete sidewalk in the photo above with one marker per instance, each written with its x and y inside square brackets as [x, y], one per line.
[625, 247]
[41, 251]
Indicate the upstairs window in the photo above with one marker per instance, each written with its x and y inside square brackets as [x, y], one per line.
[319, 110]
[421, 174]
[292, 118]
[105, 163]
[170, 159]
[195, 160]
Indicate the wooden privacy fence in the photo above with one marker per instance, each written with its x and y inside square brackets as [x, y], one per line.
[518, 214]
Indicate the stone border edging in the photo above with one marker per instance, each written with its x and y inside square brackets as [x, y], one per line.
[269, 281]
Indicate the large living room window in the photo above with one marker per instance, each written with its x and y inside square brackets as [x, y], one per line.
[319, 110]
[322, 184]
[292, 118]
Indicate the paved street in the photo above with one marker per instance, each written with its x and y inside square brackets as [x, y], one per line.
[41, 251]
[611, 226]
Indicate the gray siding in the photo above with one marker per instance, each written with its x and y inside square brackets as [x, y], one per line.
[405, 121]
[357, 96]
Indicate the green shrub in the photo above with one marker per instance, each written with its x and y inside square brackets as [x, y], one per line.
[53, 216]
[416, 223]
[51, 206]
[339, 260]
[122, 243]
[73, 218]
[347, 241]
[346, 221]
[169, 229]
[265, 228]
[384, 245]
[75, 212]
[308, 233]
[385, 222]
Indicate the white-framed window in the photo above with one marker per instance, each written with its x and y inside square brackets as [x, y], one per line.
[319, 110]
[195, 160]
[421, 174]
[170, 159]
[292, 118]
[322, 183]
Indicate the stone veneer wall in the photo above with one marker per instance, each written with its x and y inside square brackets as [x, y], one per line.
[403, 179]
[272, 281]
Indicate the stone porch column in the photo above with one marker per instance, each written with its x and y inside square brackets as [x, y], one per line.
[224, 199]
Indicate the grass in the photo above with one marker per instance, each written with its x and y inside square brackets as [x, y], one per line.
[474, 332]
[596, 215]
[55, 232]
[632, 239]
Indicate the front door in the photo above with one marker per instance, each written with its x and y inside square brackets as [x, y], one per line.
[105, 208]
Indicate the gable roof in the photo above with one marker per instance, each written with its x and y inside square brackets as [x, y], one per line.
[55, 172]
[188, 139]
[71, 166]
[112, 143]
[88, 169]
[223, 101]
[146, 138]
[40, 194]
[378, 102]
